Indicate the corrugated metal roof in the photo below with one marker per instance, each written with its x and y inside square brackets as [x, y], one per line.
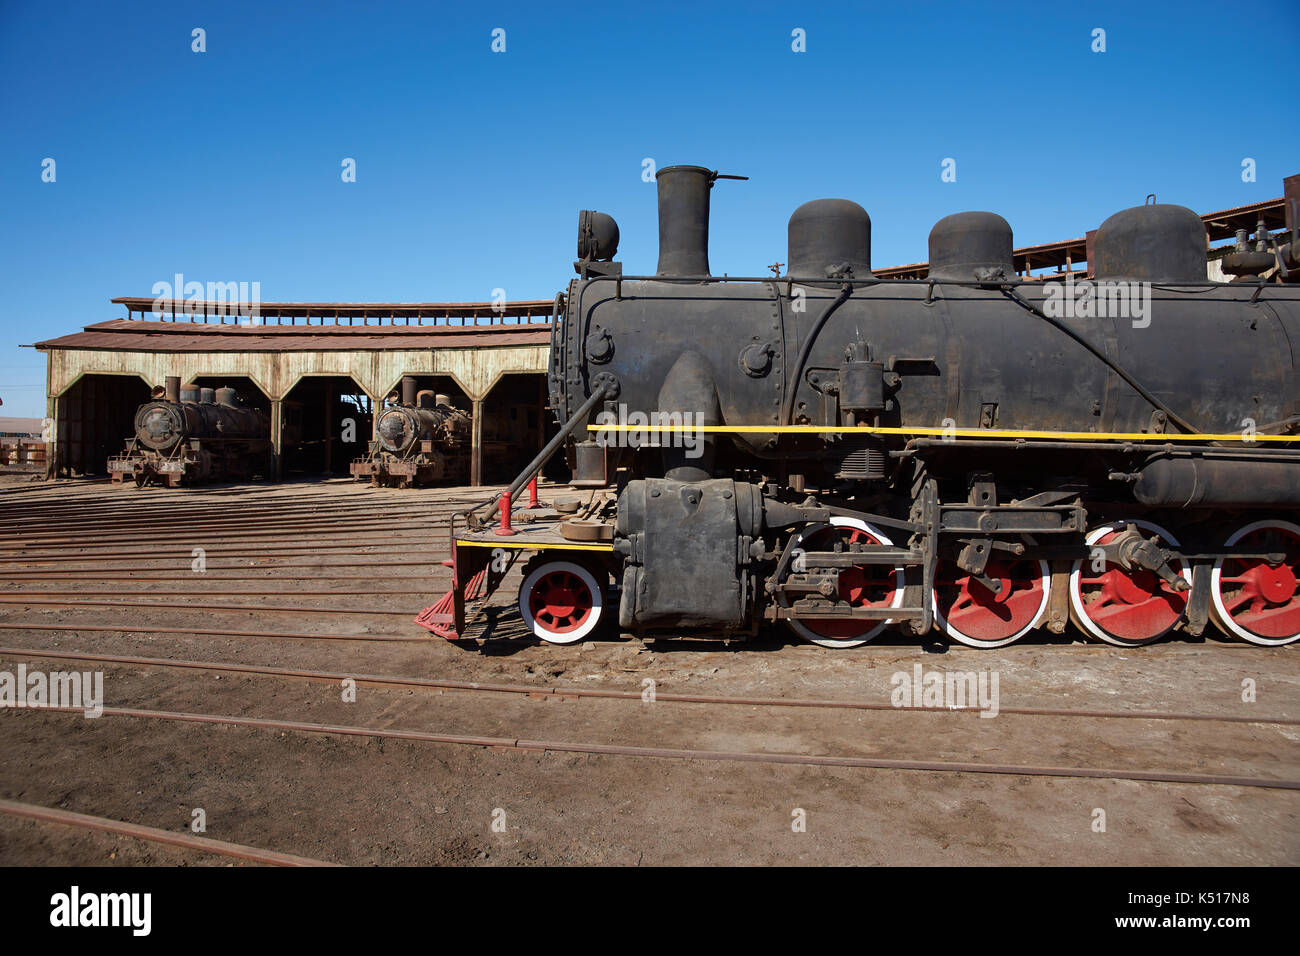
[126, 335]
[199, 307]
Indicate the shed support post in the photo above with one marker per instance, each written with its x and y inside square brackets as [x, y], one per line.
[542, 397]
[329, 425]
[277, 438]
[476, 446]
[50, 427]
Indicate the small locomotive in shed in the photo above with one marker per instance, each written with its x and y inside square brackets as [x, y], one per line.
[420, 439]
[190, 435]
[973, 453]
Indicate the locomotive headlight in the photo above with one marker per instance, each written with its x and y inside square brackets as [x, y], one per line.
[597, 235]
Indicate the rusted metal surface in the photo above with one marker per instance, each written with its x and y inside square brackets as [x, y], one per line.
[22, 456]
[186, 310]
[155, 835]
[419, 441]
[211, 435]
[166, 336]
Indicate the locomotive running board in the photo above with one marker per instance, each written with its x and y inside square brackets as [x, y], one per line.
[447, 617]
[477, 561]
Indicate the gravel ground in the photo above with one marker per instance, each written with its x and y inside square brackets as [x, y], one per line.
[367, 800]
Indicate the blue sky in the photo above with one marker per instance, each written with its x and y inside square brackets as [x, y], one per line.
[472, 165]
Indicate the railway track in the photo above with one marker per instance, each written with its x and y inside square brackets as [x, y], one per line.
[56, 556]
[534, 691]
[128, 628]
[305, 549]
[28, 600]
[65, 554]
[616, 750]
[137, 831]
[290, 551]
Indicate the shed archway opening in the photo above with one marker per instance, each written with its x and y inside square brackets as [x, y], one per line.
[516, 425]
[326, 423]
[95, 417]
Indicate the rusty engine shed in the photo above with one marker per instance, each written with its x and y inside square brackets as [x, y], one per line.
[319, 369]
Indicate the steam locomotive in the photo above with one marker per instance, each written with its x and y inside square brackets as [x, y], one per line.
[420, 439]
[190, 435]
[974, 452]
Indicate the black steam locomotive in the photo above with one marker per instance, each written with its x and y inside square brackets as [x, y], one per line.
[190, 435]
[420, 439]
[973, 452]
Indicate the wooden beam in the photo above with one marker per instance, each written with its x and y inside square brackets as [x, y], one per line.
[476, 446]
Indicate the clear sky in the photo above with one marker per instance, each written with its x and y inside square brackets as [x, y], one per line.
[471, 165]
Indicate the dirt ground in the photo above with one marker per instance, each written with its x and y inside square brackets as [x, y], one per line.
[368, 800]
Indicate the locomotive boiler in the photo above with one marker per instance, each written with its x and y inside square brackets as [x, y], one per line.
[420, 439]
[190, 435]
[974, 452]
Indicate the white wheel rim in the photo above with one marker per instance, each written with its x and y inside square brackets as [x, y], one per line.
[1076, 597]
[540, 628]
[1224, 618]
[800, 628]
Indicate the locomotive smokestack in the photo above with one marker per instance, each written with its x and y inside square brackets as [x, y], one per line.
[408, 390]
[684, 220]
[173, 388]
